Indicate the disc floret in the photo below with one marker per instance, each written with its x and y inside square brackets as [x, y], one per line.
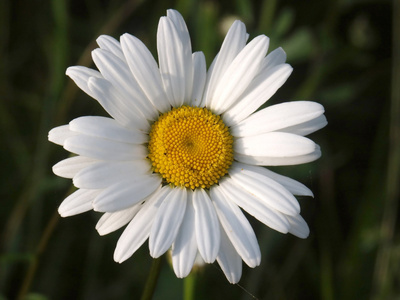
[190, 147]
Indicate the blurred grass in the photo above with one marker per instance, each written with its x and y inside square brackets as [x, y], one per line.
[341, 52]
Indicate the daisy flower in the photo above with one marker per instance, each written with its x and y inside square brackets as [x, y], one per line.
[183, 153]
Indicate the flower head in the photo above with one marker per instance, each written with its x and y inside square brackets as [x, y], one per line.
[184, 150]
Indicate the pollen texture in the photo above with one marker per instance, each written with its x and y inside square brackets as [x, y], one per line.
[190, 147]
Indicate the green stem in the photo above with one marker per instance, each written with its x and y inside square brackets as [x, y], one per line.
[30, 274]
[151, 282]
[384, 282]
[189, 286]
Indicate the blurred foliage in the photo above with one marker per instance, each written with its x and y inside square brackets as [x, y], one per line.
[341, 51]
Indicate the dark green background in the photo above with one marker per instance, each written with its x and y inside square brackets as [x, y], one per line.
[343, 58]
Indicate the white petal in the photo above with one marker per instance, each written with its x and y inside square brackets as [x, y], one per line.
[80, 75]
[172, 57]
[110, 222]
[278, 117]
[170, 61]
[207, 83]
[278, 161]
[199, 79]
[117, 72]
[207, 226]
[199, 262]
[234, 42]
[112, 101]
[145, 70]
[167, 222]
[229, 259]
[126, 193]
[69, 167]
[254, 206]
[237, 227]
[184, 249]
[110, 44]
[298, 226]
[276, 57]
[266, 189]
[239, 74]
[307, 127]
[274, 144]
[180, 25]
[58, 135]
[78, 202]
[257, 93]
[104, 149]
[106, 173]
[138, 230]
[184, 36]
[107, 128]
[293, 186]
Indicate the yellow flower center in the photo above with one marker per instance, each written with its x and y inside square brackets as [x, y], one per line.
[190, 147]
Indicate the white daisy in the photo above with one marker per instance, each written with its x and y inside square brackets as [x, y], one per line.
[183, 152]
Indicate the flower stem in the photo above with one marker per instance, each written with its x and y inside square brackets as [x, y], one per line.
[384, 281]
[30, 274]
[151, 282]
[189, 286]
